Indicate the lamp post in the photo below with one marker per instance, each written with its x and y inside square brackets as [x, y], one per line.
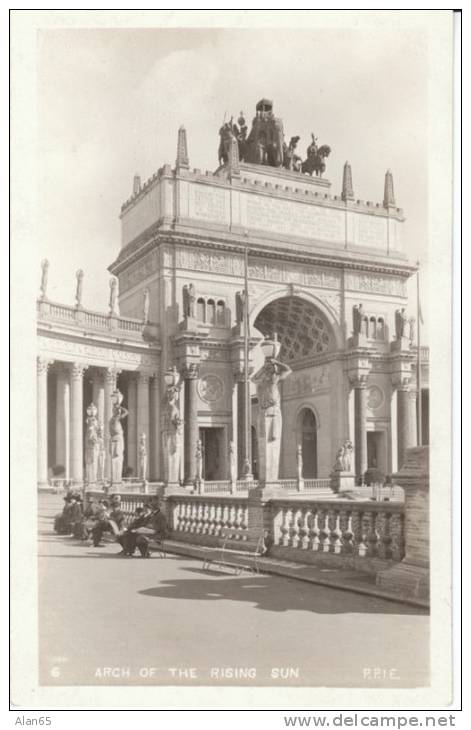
[247, 469]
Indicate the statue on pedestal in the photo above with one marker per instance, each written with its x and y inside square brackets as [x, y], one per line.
[79, 288]
[315, 158]
[101, 453]
[172, 426]
[401, 323]
[344, 457]
[189, 300]
[268, 381]
[358, 318]
[146, 306]
[199, 461]
[142, 466]
[114, 309]
[299, 462]
[119, 413]
[44, 273]
[291, 161]
[91, 444]
[240, 306]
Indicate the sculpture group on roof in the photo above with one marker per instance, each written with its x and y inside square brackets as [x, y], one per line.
[265, 144]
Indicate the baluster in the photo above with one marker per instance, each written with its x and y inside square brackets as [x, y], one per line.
[206, 519]
[336, 533]
[231, 517]
[295, 530]
[219, 518]
[315, 532]
[396, 527]
[304, 529]
[382, 527]
[347, 532]
[286, 529]
[199, 519]
[324, 531]
[362, 546]
[371, 534]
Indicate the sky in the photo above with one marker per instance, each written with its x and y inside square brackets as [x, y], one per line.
[110, 103]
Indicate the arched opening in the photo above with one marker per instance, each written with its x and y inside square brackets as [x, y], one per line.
[307, 437]
[200, 310]
[211, 311]
[380, 329]
[220, 313]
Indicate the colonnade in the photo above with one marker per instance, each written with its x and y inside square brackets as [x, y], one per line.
[142, 398]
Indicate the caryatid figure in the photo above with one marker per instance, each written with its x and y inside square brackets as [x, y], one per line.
[199, 461]
[268, 381]
[79, 288]
[401, 322]
[44, 273]
[114, 296]
[91, 444]
[299, 462]
[119, 413]
[142, 457]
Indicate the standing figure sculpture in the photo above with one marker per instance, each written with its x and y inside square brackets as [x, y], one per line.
[142, 465]
[189, 300]
[79, 288]
[44, 273]
[240, 306]
[199, 462]
[401, 323]
[91, 444]
[146, 306]
[172, 426]
[358, 318]
[347, 460]
[299, 462]
[114, 309]
[118, 414]
[291, 161]
[267, 380]
[101, 453]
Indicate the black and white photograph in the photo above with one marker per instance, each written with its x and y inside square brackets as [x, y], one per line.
[231, 295]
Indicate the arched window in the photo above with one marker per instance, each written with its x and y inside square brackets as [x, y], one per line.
[200, 309]
[372, 332]
[221, 313]
[210, 311]
[364, 326]
[380, 329]
[307, 438]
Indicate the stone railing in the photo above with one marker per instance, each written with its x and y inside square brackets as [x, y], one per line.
[304, 531]
[380, 493]
[313, 485]
[216, 487]
[97, 320]
[201, 520]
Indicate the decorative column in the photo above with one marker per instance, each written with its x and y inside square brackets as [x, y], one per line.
[359, 382]
[42, 365]
[142, 406]
[76, 422]
[241, 418]
[190, 375]
[404, 430]
[98, 395]
[155, 429]
[110, 385]
[413, 416]
[131, 445]
[63, 419]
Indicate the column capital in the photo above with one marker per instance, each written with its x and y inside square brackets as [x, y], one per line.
[401, 380]
[77, 370]
[143, 378]
[43, 364]
[190, 371]
[358, 379]
[110, 375]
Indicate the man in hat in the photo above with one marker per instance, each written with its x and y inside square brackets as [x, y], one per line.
[111, 522]
[154, 530]
[129, 537]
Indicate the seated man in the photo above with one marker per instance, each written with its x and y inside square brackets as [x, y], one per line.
[64, 524]
[155, 529]
[108, 521]
[89, 519]
[128, 537]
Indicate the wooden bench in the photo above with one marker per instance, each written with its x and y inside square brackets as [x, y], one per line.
[249, 547]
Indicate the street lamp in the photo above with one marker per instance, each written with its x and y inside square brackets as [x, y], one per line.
[270, 347]
[171, 377]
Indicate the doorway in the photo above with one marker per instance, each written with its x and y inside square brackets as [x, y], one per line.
[375, 451]
[307, 437]
[212, 439]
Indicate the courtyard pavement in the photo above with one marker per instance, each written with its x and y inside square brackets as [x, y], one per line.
[105, 620]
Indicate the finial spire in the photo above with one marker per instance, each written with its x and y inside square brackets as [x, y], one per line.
[233, 157]
[389, 201]
[136, 185]
[182, 149]
[347, 184]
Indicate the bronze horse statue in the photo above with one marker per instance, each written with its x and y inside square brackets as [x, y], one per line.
[315, 158]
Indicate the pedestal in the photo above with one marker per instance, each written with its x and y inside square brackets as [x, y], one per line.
[400, 344]
[411, 576]
[171, 446]
[269, 445]
[342, 481]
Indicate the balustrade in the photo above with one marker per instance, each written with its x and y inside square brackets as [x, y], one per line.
[366, 531]
[201, 516]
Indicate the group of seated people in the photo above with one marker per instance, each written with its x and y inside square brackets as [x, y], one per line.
[91, 521]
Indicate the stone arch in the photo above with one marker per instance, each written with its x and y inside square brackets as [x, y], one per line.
[292, 291]
[306, 429]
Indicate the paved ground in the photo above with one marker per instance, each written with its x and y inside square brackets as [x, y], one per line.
[111, 621]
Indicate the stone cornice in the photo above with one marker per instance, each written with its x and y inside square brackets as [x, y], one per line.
[346, 259]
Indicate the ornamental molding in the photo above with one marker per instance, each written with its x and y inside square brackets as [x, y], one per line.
[374, 397]
[375, 284]
[211, 388]
[92, 354]
[307, 383]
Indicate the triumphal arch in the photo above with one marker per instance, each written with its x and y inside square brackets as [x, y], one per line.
[212, 265]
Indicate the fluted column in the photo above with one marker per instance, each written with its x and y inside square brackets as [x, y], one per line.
[42, 368]
[361, 461]
[404, 431]
[110, 376]
[76, 422]
[131, 405]
[241, 418]
[63, 420]
[413, 417]
[155, 429]
[98, 395]
[190, 375]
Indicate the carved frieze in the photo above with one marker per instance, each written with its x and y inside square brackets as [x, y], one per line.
[94, 353]
[187, 258]
[143, 268]
[287, 273]
[376, 284]
[307, 383]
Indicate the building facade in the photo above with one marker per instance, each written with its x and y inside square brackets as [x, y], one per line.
[327, 275]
